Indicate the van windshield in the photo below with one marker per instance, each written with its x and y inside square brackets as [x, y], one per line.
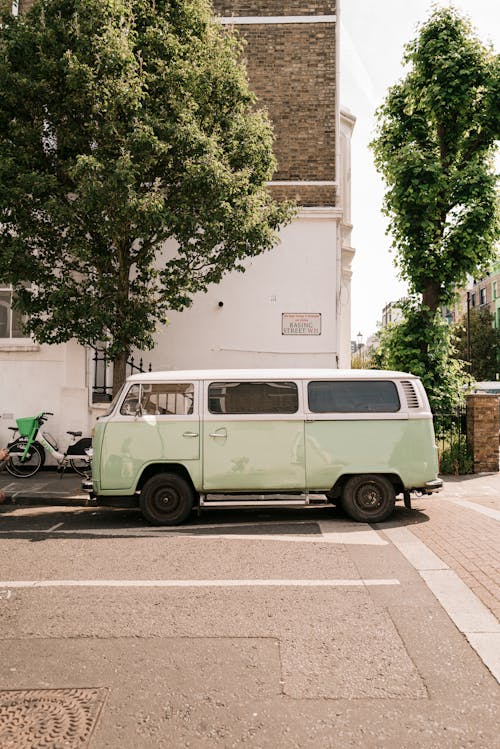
[113, 403]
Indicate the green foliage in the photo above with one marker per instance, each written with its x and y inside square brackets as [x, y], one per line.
[423, 344]
[437, 131]
[484, 344]
[434, 147]
[357, 361]
[124, 124]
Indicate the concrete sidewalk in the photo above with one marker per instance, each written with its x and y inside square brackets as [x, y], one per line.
[48, 487]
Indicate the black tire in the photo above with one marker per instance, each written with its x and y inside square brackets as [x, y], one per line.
[166, 499]
[368, 498]
[34, 460]
[80, 466]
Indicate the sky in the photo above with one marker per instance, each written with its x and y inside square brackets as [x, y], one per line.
[372, 38]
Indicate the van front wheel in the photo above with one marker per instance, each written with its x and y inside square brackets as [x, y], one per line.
[369, 498]
[166, 499]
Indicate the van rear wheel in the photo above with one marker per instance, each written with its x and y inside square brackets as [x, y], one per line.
[368, 498]
[166, 499]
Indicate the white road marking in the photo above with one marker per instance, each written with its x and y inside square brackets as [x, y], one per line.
[353, 533]
[462, 605]
[489, 511]
[469, 614]
[250, 583]
[34, 488]
[54, 528]
[332, 532]
[417, 553]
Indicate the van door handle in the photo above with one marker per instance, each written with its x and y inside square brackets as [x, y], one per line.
[309, 421]
[191, 434]
[219, 433]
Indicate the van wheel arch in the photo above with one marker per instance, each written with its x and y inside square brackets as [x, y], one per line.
[159, 468]
[338, 488]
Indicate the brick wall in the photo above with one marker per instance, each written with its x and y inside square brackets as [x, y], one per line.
[292, 70]
[482, 431]
[274, 7]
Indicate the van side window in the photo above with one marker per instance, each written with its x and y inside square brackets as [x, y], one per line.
[169, 398]
[253, 398]
[342, 396]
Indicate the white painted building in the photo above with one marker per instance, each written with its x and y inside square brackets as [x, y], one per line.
[292, 306]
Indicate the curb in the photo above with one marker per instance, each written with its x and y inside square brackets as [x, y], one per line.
[41, 501]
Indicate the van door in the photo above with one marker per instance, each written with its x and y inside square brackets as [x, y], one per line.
[253, 437]
[157, 422]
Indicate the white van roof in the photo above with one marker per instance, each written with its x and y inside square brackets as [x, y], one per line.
[270, 374]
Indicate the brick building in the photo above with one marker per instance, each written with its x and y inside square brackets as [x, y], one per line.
[479, 293]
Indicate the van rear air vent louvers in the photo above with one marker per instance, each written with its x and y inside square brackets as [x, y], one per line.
[410, 393]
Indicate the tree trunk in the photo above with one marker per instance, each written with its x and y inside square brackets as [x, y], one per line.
[431, 295]
[119, 371]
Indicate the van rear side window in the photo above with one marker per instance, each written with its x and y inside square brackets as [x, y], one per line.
[253, 398]
[343, 396]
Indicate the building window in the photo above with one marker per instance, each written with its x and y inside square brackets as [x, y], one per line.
[482, 296]
[473, 300]
[494, 290]
[10, 319]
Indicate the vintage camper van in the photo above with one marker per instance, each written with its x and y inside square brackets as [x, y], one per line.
[174, 441]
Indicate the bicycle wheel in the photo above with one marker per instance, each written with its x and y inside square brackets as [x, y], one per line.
[80, 466]
[32, 462]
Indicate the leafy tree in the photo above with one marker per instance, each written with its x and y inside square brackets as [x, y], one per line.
[399, 348]
[484, 344]
[124, 124]
[434, 147]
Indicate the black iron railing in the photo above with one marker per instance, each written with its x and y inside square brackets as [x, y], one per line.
[455, 456]
[101, 390]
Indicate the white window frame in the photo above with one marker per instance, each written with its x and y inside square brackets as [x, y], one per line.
[10, 342]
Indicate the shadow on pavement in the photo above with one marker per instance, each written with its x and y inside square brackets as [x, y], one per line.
[43, 523]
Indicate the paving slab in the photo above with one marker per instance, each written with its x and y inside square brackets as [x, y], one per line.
[47, 487]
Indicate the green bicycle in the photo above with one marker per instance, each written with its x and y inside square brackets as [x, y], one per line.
[27, 452]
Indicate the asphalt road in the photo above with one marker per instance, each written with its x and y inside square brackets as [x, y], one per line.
[238, 629]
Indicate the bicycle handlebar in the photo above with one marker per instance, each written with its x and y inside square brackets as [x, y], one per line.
[43, 416]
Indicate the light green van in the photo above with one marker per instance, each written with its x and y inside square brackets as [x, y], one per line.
[174, 441]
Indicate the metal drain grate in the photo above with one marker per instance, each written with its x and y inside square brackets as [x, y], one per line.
[49, 718]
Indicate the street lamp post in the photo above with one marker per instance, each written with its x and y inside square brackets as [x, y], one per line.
[359, 339]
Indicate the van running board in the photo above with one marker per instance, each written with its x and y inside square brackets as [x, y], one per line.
[208, 501]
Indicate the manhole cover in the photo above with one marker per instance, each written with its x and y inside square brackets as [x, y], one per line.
[48, 718]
